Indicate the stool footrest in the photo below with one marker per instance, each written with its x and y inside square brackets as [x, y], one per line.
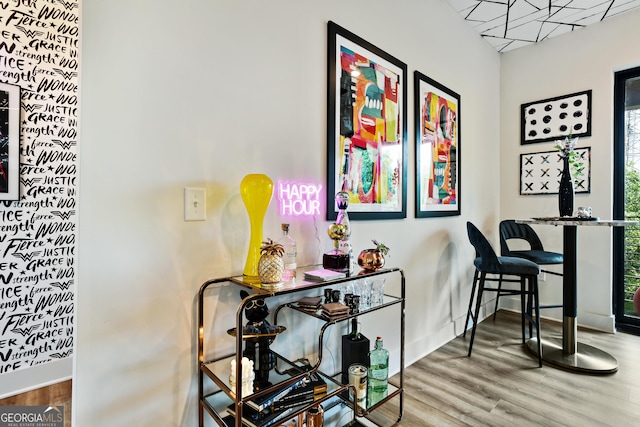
[555, 273]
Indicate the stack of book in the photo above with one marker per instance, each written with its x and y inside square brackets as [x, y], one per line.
[323, 275]
[265, 402]
[253, 418]
[315, 389]
[310, 304]
[276, 407]
[334, 310]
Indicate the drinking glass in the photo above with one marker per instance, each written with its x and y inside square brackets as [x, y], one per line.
[366, 286]
[377, 292]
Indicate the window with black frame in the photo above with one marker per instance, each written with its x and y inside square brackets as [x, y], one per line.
[626, 195]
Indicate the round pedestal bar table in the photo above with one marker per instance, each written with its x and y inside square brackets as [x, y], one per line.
[567, 352]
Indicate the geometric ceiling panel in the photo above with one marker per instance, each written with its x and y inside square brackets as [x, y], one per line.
[510, 24]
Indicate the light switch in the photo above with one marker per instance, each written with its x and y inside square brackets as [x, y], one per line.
[195, 204]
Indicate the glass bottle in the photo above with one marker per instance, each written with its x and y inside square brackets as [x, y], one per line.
[355, 350]
[355, 334]
[342, 200]
[340, 257]
[290, 254]
[378, 369]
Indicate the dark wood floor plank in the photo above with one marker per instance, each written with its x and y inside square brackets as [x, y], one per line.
[494, 385]
[522, 416]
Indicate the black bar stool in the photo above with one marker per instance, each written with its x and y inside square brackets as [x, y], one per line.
[511, 230]
[487, 262]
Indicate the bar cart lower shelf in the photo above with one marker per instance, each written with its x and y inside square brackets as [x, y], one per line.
[220, 400]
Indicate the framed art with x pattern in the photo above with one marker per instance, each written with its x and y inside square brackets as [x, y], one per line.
[540, 172]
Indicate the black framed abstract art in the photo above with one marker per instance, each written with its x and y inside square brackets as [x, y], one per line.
[367, 130]
[9, 142]
[437, 118]
[556, 118]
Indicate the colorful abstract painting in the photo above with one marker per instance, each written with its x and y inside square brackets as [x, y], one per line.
[367, 128]
[437, 112]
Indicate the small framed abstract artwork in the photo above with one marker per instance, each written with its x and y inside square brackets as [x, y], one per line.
[540, 172]
[366, 128]
[437, 117]
[556, 118]
[9, 142]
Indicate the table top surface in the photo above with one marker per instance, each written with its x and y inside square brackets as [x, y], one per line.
[577, 221]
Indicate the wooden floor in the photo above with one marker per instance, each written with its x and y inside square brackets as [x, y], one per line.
[502, 385]
[53, 395]
[499, 385]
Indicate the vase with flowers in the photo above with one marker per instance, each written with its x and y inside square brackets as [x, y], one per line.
[570, 162]
[373, 259]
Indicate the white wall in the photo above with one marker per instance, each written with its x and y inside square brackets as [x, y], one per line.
[577, 61]
[203, 94]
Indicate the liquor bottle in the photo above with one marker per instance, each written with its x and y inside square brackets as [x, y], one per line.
[290, 254]
[378, 368]
[355, 350]
[342, 200]
[340, 257]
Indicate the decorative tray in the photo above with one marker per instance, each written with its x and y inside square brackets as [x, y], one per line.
[566, 218]
[258, 332]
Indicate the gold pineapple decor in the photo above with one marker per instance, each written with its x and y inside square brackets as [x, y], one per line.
[271, 264]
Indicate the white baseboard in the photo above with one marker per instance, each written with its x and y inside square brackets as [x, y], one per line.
[34, 377]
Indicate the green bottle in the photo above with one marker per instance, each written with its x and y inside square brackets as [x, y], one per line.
[378, 368]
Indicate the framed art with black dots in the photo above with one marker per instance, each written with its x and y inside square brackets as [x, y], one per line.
[556, 118]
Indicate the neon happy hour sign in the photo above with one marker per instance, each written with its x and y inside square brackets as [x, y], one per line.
[298, 198]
